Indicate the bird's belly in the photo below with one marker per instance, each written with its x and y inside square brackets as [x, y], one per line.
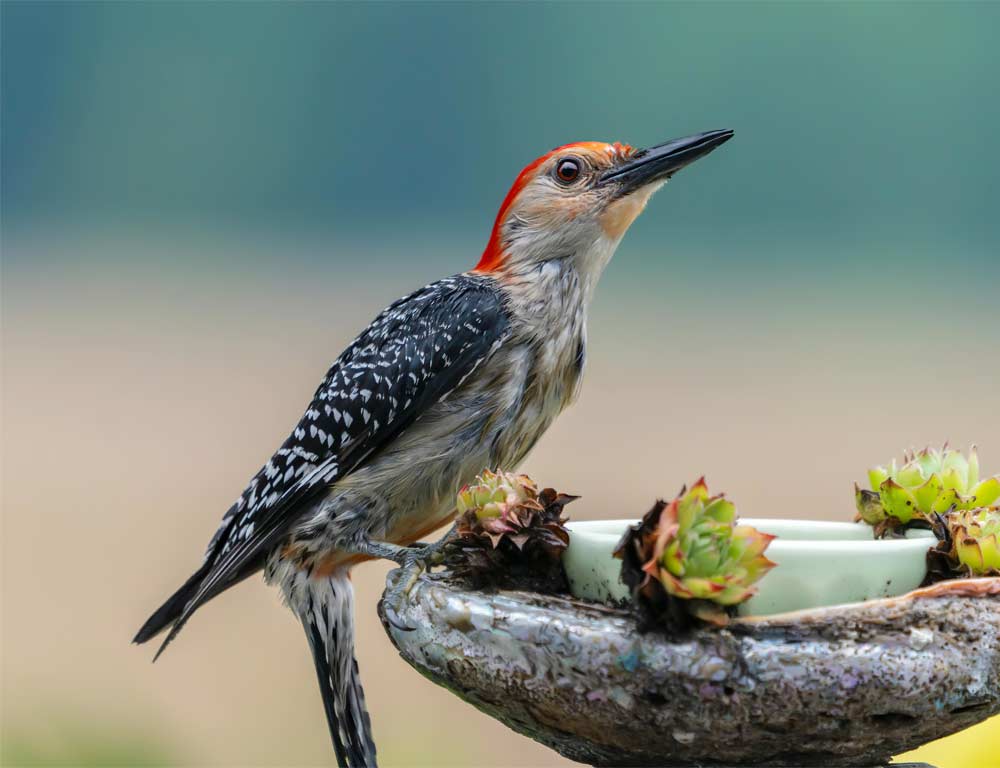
[402, 494]
[408, 490]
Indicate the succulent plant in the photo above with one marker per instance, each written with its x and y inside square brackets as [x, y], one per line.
[497, 503]
[928, 482]
[692, 549]
[967, 546]
[976, 539]
[509, 533]
[503, 505]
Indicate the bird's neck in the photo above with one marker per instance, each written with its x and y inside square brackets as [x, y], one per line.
[548, 298]
[549, 284]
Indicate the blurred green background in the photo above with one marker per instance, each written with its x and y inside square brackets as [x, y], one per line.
[203, 202]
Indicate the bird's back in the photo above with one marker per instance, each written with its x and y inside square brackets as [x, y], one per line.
[416, 352]
[492, 419]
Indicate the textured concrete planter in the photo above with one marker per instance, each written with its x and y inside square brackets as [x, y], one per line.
[841, 686]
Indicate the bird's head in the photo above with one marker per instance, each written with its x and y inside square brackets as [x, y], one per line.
[578, 200]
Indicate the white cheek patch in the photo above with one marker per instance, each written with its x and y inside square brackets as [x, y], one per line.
[548, 207]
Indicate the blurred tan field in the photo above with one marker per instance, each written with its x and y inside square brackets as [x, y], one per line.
[144, 381]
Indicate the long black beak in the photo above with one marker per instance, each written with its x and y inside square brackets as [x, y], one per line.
[663, 160]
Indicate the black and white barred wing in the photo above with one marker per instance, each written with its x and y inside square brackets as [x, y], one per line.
[413, 354]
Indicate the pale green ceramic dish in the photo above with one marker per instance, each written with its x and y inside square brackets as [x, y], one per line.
[819, 563]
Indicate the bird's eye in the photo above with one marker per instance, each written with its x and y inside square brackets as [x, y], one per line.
[567, 170]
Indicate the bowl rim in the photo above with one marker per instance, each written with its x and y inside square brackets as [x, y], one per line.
[916, 538]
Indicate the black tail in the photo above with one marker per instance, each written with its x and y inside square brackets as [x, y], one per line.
[326, 608]
[171, 610]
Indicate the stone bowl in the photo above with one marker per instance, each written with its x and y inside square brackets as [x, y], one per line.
[849, 685]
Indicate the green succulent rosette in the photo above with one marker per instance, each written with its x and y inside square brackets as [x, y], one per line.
[968, 545]
[509, 534]
[927, 483]
[693, 550]
[975, 536]
[495, 493]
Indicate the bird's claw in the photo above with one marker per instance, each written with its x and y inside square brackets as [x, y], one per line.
[409, 572]
[412, 566]
[428, 555]
[394, 619]
[412, 562]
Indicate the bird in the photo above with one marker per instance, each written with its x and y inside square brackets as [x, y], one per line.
[462, 375]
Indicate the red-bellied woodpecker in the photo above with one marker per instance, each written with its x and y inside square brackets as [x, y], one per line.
[464, 374]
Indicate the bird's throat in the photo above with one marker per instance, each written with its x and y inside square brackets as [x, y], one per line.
[618, 216]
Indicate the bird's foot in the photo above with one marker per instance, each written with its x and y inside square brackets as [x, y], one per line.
[393, 619]
[428, 555]
[411, 566]
[434, 553]
[412, 561]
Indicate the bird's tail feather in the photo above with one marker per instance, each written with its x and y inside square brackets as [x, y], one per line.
[326, 608]
[174, 606]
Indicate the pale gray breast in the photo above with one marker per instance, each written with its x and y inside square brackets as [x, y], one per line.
[492, 420]
[413, 482]
[552, 372]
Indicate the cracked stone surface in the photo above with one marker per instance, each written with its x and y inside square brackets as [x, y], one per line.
[839, 686]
